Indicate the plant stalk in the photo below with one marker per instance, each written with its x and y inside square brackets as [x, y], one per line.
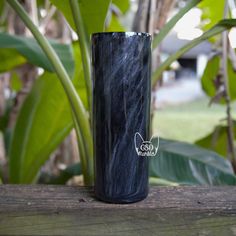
[78, 109]
[87, 168]
[217, 29]
[74, 5]
[172, 22]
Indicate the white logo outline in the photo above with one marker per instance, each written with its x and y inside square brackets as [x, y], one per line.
[146, 148]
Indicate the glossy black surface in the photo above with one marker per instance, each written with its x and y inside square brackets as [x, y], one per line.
[121, 107]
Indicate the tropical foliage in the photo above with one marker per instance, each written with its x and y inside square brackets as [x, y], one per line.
[60, 98]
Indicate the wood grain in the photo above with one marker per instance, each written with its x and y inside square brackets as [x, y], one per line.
[62, 210]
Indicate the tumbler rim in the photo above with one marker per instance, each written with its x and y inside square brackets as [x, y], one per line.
[122, 33]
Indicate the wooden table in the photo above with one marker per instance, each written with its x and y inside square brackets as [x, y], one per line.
[62, 210]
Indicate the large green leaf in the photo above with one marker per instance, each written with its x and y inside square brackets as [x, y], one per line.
[189, 164]
[16, 83]
[217, 140]
[2, 6]
[29, 48]
[45, 116]
[212, 12]
[114, 24]
[4, 118]
[79, 81]
[42, 124]
[209, 77]
[41, 3]
[232, 80]
[93, 13]
[44, 119]
[10, 58]
[123, 5]
[4, 121]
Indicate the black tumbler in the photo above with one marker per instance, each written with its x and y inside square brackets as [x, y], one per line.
[121, 109]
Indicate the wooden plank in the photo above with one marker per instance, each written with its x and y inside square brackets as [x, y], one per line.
[62, 210]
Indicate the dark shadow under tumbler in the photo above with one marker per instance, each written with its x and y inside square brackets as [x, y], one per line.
[121, 109]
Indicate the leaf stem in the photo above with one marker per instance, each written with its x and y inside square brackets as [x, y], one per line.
[172, 22]
[86, 166]
[74, 5]
[217, 29]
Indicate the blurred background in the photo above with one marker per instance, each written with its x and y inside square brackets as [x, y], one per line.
[192, 100]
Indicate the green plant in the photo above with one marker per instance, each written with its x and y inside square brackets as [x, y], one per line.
[71, 96]
[76, 105]
[27, 152]
[185, 163]
[218, 81]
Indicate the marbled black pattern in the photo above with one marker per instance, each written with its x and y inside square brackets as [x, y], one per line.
[121, 107]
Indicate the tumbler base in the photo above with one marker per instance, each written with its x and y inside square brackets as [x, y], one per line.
[121, 200]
